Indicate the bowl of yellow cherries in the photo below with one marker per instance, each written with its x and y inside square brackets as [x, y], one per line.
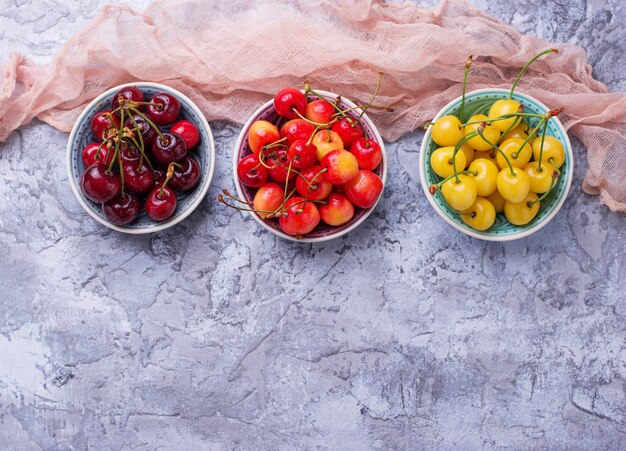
[496, 164]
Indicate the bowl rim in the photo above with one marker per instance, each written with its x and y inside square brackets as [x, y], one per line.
[240, 141]
[467, 230]
[156, 227]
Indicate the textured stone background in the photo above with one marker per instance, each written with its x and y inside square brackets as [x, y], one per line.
[215, 335]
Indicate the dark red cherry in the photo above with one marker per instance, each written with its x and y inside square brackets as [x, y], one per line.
[251, 172]
[159, 176]
[129, 93]
[348, 130]
[288, 100]
[102, 121]
[302, 155]
[161, 203]
[122, 209]
[91, 155]
[137, 179]
[100, 185]
[148, 133]
[186, 176]
[168, 148]
[278, 166]
[164, 108]
[129, 153]
[188, 131]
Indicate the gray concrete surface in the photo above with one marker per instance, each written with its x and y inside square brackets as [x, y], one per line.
[216, 335]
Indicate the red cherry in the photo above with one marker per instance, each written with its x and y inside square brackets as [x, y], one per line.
[130, 93]
[278, 166]
[169, 148]
[251, 172]
[268, 198]
[348, 131]
[317, 188]
[364, 189]
[122, 209]
[341, 165]
[161, 203]
[100, 185]
[296, 129]
[188, 131]
[148, 133]
[187, 176]
[164, 108]
[91, 155]
[288, 100]
[299, 217]
[302, 155]
[320, 111]
[137, 179]
[337, 211]
[129, 153]
[367, 153]
[102, 121]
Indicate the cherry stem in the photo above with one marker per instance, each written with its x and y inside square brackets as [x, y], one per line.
[287, 179]
[97, 154]
[544, 120]
[503, 117]
[543, 137]
[478, 106]
[532, 60]
[115, 155]
[508, 162]
[168, 175]
[313, 134]
[512, 125]
[145, 118]
[311, 183]
[462, 140]
[435, 187]
[468, 64]
[369, 104]
[308, 89]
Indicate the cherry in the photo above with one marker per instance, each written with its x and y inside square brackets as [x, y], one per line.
[129, 93]
[311, 184]
[364, 189]
[296, 129]
[148, 133]
[187, 175]
[91, 155]
[261, 134]
[299, 217]
[129, 153]
[268, 199]
[278, 166]
[168, 148]
[159, 176]
[161, 203]
[337, 211]
[251, 172]
[102, 121]
[188, 131]
[137, 179]
[302, 155]
[341, 166]
[348, 130]
[320, 111]
[288, 100]
[122, 209]
[99, 184]
[164, 108]
[367, 153]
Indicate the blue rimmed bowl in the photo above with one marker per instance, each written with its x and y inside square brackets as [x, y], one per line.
[322, 232]
[204, 152]
[478, 102]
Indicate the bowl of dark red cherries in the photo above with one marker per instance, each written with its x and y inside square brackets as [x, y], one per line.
[309, 165]
[140, 158]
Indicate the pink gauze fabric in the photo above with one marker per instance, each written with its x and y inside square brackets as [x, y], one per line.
[229, 57]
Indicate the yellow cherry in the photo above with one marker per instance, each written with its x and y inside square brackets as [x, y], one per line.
[459, 195]
[541, 180]
[521, 213]
[513, 187]
[491, 133]
[497, 201]
[469, 153]
[480, 215]
[552, 150]
[487, 155]
[326, 141]
[519, 132]
[502, 107]
[447, 130]
[441, 161]
[511, 148]
[487, 173]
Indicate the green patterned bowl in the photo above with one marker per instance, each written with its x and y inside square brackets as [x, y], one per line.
[478, 102]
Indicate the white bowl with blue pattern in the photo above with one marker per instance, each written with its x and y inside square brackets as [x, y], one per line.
[478, 102]
[204, 152]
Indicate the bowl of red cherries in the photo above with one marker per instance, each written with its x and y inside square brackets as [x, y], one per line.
[140, 157]
[309, 165]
